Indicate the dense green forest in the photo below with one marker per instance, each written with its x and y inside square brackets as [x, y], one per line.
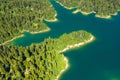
[42, 61]
[19, 15]
[100, 7]
[71, 39]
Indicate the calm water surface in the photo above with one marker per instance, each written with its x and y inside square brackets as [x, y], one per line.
[99, 60]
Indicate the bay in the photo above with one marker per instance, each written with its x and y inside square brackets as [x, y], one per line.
[99, 60]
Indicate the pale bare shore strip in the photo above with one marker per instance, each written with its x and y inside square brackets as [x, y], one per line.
[76, 11]
[105, 17]
[52, 20]
[87, 13]
[71, 47]
[11, 40]
[6, 42]
[62, 71]
[32, 32]
[78, 45]
[64, 6]
[84, 13]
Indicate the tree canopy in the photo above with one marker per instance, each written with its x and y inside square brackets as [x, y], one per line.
[100, 7]
[17, 16]
[42, 61]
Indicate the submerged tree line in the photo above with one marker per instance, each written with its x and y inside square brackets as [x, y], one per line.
[19, 15]
[42, 61]
[100, 7]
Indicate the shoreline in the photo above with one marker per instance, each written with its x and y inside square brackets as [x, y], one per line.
[78, 44]
[22, 35]
[52, 20]
[72, 47]
[107, 17]
[87, 13]
[64, 6]
[98, 16]
[36, 32]
[6, 42]
[84, 13]
[63, 70]
[104, 17]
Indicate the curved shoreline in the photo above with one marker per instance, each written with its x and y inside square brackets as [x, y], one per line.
[78, 44]
[87, 13]
[32, 32]
[64, 6]
[84, 13]
[63, 70]
[52, 20]
[72, 47]
[98, 16]
[8, 41]
[11, 40]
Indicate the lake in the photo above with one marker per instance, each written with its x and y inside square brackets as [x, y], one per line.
[99, 60]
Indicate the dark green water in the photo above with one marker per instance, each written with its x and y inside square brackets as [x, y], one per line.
[99, 60]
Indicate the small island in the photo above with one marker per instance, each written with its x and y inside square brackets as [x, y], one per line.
[43, 61]
[101, 8]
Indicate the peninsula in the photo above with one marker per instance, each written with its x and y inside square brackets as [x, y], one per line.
[43, 61]
[19, 16]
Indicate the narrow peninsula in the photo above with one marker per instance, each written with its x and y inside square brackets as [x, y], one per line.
[43, 61]
[24, 15]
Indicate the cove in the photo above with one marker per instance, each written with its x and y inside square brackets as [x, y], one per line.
[99, 60]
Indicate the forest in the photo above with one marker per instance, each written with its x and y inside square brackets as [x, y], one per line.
[17, 16]
[42, 61]
[99, 7]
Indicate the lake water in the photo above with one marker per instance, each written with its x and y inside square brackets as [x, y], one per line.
[99, 60]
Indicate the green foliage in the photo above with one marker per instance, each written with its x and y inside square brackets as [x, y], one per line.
[41, 61]
[101, 7]
[19, 15]
[30, 63]
[74, 37]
